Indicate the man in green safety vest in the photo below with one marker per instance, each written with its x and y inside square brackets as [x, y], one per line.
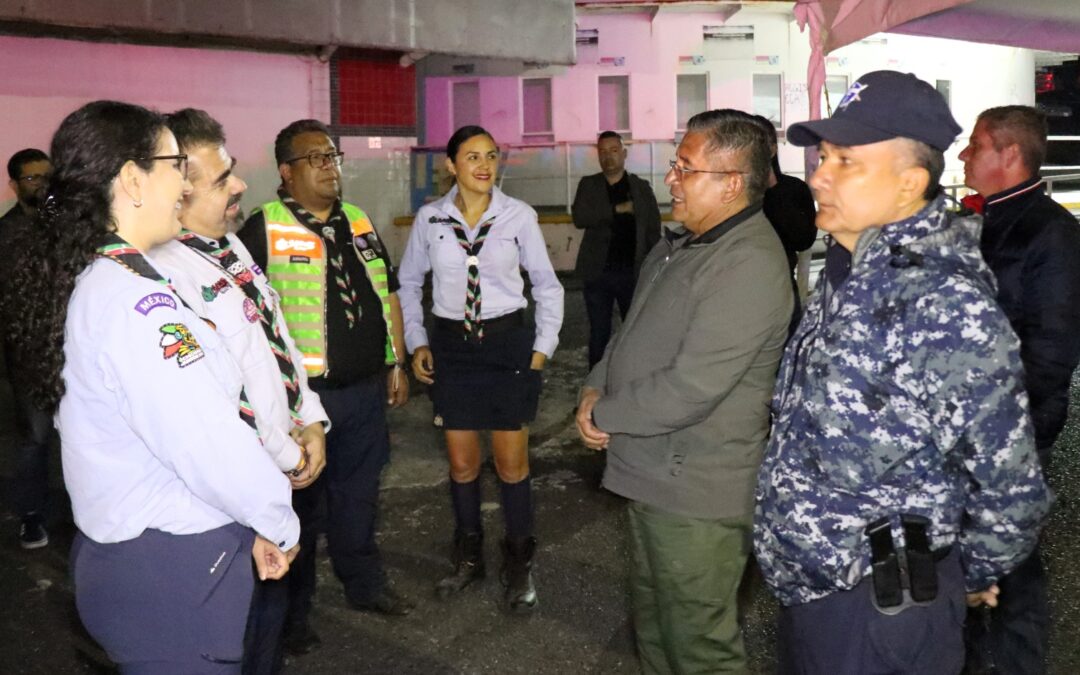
[338, 295]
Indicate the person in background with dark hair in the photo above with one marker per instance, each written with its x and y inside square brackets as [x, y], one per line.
[680, 399]
[215, 274]
[900, 478]
[483, 360]
[1032, 244]
[29, 171]
[621, 219]
[170, 487]
[339, 298]
[789, 206]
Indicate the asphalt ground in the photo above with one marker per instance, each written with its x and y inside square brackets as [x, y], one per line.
[582, 624]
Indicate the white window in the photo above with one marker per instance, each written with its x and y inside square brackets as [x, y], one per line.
[588, 45]
[466, 101]
[692, 97]
[944, 88]
[614, 97]
[536, 108]
[768, 99]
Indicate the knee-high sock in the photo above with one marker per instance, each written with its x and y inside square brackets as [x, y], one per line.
[517, 507]
[466, 500]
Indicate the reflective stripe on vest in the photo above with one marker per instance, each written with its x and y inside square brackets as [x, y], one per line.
[296, 267]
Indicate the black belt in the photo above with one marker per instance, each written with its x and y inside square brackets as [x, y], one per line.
[499, 324]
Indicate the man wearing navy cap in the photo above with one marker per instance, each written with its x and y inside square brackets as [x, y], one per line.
[901, 477]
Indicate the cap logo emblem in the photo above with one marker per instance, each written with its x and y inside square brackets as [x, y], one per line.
[852, 95]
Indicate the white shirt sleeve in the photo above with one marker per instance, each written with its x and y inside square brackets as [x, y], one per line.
[187, 415]
[415, 264]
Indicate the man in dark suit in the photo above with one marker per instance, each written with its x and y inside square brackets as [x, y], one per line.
[621, 219]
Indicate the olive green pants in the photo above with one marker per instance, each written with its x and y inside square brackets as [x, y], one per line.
[684, 583]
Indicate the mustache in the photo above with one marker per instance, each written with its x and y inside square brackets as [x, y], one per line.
[234, 200]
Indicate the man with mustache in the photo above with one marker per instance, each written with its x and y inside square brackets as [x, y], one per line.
[29, 171]
[325, 258]
[215, 275]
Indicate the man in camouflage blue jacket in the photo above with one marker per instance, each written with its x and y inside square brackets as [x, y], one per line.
[900, 395]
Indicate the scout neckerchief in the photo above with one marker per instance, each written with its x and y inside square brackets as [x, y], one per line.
[131, 259]
[474, 327]
[221, 252]
[337, 263]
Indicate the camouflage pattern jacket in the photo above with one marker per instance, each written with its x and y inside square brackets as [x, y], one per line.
[901, 392]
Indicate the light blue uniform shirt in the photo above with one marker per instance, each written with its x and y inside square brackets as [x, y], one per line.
[513, 243]
[149, 425]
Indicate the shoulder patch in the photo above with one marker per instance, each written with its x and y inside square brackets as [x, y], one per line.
[151, 302]
[178, 342]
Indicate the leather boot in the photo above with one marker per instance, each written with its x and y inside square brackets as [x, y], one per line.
[517, 574]
[468, 564]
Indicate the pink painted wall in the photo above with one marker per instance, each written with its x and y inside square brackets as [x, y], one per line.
[252, 94]
[649, 49]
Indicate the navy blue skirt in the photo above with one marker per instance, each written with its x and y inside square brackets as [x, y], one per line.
[488, 384]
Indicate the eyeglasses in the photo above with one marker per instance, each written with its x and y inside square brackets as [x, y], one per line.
[320, 160]
[684, 172]
[35, 178]
[181, 161]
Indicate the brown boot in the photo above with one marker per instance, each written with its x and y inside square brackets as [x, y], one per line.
[468, 564]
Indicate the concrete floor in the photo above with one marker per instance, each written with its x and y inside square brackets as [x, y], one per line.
[582, 625]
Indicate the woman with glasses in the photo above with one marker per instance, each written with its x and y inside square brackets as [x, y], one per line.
[170, 488]
[483, 360]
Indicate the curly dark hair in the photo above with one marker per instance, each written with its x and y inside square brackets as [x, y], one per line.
[89, 149]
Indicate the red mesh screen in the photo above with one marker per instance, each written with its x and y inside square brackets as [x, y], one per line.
[373, 90]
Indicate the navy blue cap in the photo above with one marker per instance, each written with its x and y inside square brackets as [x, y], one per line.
[881, 105]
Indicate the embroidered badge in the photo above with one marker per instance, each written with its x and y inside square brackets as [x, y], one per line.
[153, 301]
[256, 269]
[251, 312]
[852, 95]
[240, 272]
[360, 242]
[177, 341]
[211, 292]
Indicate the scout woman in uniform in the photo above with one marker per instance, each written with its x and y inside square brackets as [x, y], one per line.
[170, 487]
[483, 359]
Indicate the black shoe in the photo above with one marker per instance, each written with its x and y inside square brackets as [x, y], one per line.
[300, 639]
[385, 601]
[468, 565]
[517, 575]
[32, 532]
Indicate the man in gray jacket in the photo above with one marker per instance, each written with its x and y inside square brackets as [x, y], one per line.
[680, 399]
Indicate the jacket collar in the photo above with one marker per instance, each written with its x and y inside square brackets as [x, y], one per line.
[713, 233]
[1005, 205]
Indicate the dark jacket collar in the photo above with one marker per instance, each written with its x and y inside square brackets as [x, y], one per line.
[713, 233]
[1014, 199]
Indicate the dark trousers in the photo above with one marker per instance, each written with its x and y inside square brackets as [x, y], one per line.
[164, 603]
[357, 448]
[1012, 638]
[262, 639]
[844, 634]
[601, 295]
[32, 463]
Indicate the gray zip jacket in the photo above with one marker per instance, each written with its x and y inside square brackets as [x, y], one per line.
[687, 380]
